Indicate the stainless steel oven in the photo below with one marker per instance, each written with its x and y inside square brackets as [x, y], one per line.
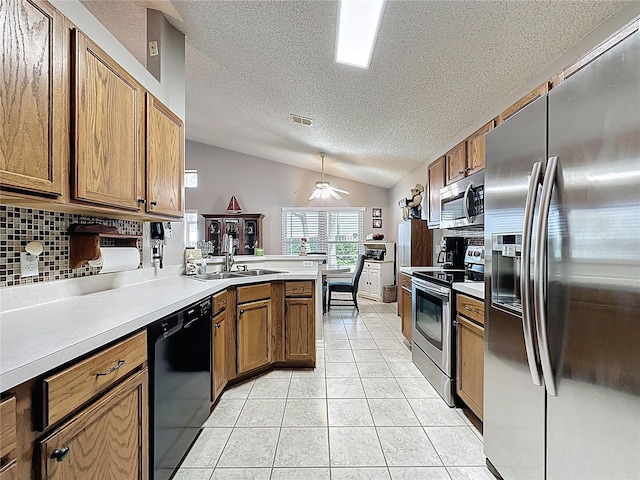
[432, 350]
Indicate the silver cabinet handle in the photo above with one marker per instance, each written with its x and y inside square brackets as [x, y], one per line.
[525, 280]
[112, 369]
[540, 276]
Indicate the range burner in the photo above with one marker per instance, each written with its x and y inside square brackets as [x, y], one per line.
[445, 278]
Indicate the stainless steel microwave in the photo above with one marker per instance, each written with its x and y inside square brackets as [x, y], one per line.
[462, 203]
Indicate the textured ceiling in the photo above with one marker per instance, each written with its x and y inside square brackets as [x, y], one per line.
[437, 67]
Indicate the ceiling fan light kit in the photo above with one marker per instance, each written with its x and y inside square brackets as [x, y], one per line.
[323, 189]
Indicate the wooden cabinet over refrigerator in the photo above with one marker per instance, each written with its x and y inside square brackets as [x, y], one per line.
[245, 228]
[415, 248]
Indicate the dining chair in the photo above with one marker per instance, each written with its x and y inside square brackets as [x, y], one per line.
[347, 287]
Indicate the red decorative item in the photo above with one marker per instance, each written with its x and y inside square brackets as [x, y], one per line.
[234, 206]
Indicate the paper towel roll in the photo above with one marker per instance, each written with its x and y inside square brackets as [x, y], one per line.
[117, 259]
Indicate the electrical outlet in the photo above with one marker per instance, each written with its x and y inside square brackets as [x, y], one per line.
[153, 48]
[307, 263]
[28, 265]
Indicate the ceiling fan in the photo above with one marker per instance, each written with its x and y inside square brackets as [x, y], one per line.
[323, 189]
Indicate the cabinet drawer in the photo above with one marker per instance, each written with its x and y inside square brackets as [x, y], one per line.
[471, 308]
[405, 280]
[251, 293]
[372, 265]
[7, 426]
[219, 302]
[299, 289]
[9, 471]
[67, 390]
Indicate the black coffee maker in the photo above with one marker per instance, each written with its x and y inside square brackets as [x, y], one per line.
[451, 253]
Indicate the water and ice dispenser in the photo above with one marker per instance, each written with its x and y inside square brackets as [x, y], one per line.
[506, 257]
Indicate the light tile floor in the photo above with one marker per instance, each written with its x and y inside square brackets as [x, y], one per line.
[364, 413]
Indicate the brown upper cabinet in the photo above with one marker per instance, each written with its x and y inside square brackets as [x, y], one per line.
[129, 149]
[467, 157]
[455, 163]
[475, 149]
[523, 102]
[435, 181]
[165, 159]
[34, 141]
[594, 54]
[108, 162]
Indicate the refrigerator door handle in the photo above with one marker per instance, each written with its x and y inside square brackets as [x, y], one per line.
[540, 276]
[525, 280]
[465, 203]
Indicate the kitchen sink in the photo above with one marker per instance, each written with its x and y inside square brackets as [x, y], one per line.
[216, 276]
[258, 271]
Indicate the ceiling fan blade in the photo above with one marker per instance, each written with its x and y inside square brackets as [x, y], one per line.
[315, 195]
[335, 194]
[341, 191]
[305, 190]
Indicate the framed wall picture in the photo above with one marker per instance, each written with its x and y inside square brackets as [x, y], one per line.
[377, 223]
[376, 212]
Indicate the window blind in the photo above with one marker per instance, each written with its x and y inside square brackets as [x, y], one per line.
[338, 232]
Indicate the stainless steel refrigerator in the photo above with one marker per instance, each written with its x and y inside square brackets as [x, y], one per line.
[562, 255]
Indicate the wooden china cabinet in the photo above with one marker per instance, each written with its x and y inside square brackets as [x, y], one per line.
[245, 228]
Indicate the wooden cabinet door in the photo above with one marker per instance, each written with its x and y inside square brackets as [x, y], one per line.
[435, 182]
[107, 440]
[219, 354]
[523, 102]
[470, 370]
[407, 312]
[455, 163]
[165, 159]
[109, 140]
[254, 335]
[475, 149]
[34, 140]
[299, 329]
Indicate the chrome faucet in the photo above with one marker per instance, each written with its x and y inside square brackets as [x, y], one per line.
[227, 249]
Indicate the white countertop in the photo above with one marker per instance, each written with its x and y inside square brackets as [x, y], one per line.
[36, 339]
[475, 289]
[412, 270]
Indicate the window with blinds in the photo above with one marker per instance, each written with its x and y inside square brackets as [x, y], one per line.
[338, 232]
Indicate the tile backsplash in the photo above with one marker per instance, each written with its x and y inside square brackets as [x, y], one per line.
[18, 226]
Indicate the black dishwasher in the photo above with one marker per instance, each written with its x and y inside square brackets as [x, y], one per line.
[180, 385]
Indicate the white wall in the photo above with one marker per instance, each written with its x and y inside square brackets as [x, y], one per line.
[263, 186]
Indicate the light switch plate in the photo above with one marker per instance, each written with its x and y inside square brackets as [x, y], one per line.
[28, 265]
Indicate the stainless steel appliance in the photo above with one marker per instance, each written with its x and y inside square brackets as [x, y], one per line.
[474, 262]
[432, 333]
[562, 237]
[180, 385]
[451, 254]
[462, 202]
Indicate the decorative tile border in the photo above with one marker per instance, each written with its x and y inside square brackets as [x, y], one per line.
[18, 226]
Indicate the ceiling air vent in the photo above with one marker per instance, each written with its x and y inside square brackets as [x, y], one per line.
[297, 119]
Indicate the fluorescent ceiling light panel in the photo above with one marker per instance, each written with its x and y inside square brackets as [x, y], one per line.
[357, 31]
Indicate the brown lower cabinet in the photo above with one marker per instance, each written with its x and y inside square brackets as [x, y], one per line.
[470, 353]
[254, 335]
[9, 471]
[107, 440]
[299, 329]
[407, 311]
[219, 332]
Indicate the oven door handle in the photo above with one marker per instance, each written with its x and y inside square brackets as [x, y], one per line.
[433, 289]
